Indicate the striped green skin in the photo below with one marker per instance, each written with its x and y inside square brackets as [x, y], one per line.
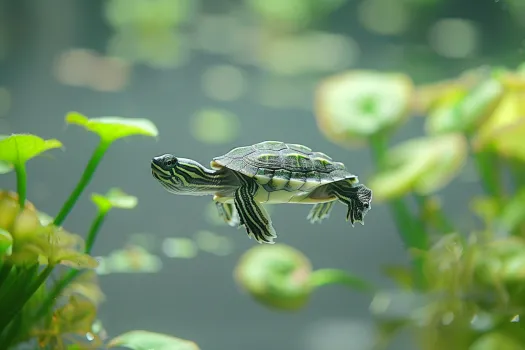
[267, 172]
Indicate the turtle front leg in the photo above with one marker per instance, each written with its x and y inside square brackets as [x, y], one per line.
[228, 213]
[252, 215]
[357, 198]
[320, 211]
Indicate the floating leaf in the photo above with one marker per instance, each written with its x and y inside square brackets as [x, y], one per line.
[215, 126]
[131, 259]
[6, 243]
[17, 149]
[359, 104]
[113, 128]
[423, 165]
[276, 276]
[145, 340]
[183, 248]
[114, 198]
[466, 112]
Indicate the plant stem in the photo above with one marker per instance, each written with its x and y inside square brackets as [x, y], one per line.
[94, 230]
[21, 183]
[410, 229]
[90, 169]
[20, 302]
[323, 277]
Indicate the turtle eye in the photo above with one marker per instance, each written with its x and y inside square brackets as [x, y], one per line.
[170, 161]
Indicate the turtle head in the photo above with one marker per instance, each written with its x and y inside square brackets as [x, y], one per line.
[165, 163]
[184, 176]
[164, 169]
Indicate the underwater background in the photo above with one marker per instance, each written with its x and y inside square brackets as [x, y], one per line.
[213, 75]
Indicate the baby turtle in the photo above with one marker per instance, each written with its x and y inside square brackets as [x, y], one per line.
[267, 172]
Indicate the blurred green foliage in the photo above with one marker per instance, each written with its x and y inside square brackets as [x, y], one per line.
[464, 289]
[38, 309]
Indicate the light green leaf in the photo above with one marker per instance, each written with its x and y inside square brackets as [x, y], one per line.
[496, 340]
[5, 167]
[144, 340]
[114, 198]
[505, 126]
[468, 112]
[6, 242]
[17, 149]
[45, 219]
[423, 165]
[355, 105]
[277, 276]
[113, 128]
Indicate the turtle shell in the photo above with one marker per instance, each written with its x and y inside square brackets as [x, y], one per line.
[278, 165]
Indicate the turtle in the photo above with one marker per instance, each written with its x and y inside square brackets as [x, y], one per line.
[271, 172]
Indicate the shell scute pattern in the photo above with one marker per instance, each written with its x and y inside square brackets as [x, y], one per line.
[278, 165]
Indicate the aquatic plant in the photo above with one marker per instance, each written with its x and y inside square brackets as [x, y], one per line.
[49, 290]
[464, 289]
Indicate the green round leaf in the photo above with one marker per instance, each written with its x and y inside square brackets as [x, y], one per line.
[113, 128]
[19, 148]
[145, 340]
[358, 104]
[276, 276]
[114, 198]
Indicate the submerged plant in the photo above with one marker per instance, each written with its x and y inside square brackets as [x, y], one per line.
[61, 312]
[464, 289]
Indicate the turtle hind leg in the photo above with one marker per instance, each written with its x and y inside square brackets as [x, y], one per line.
[320, 211]
[252, 215]
[228, 213]
[357, 198]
